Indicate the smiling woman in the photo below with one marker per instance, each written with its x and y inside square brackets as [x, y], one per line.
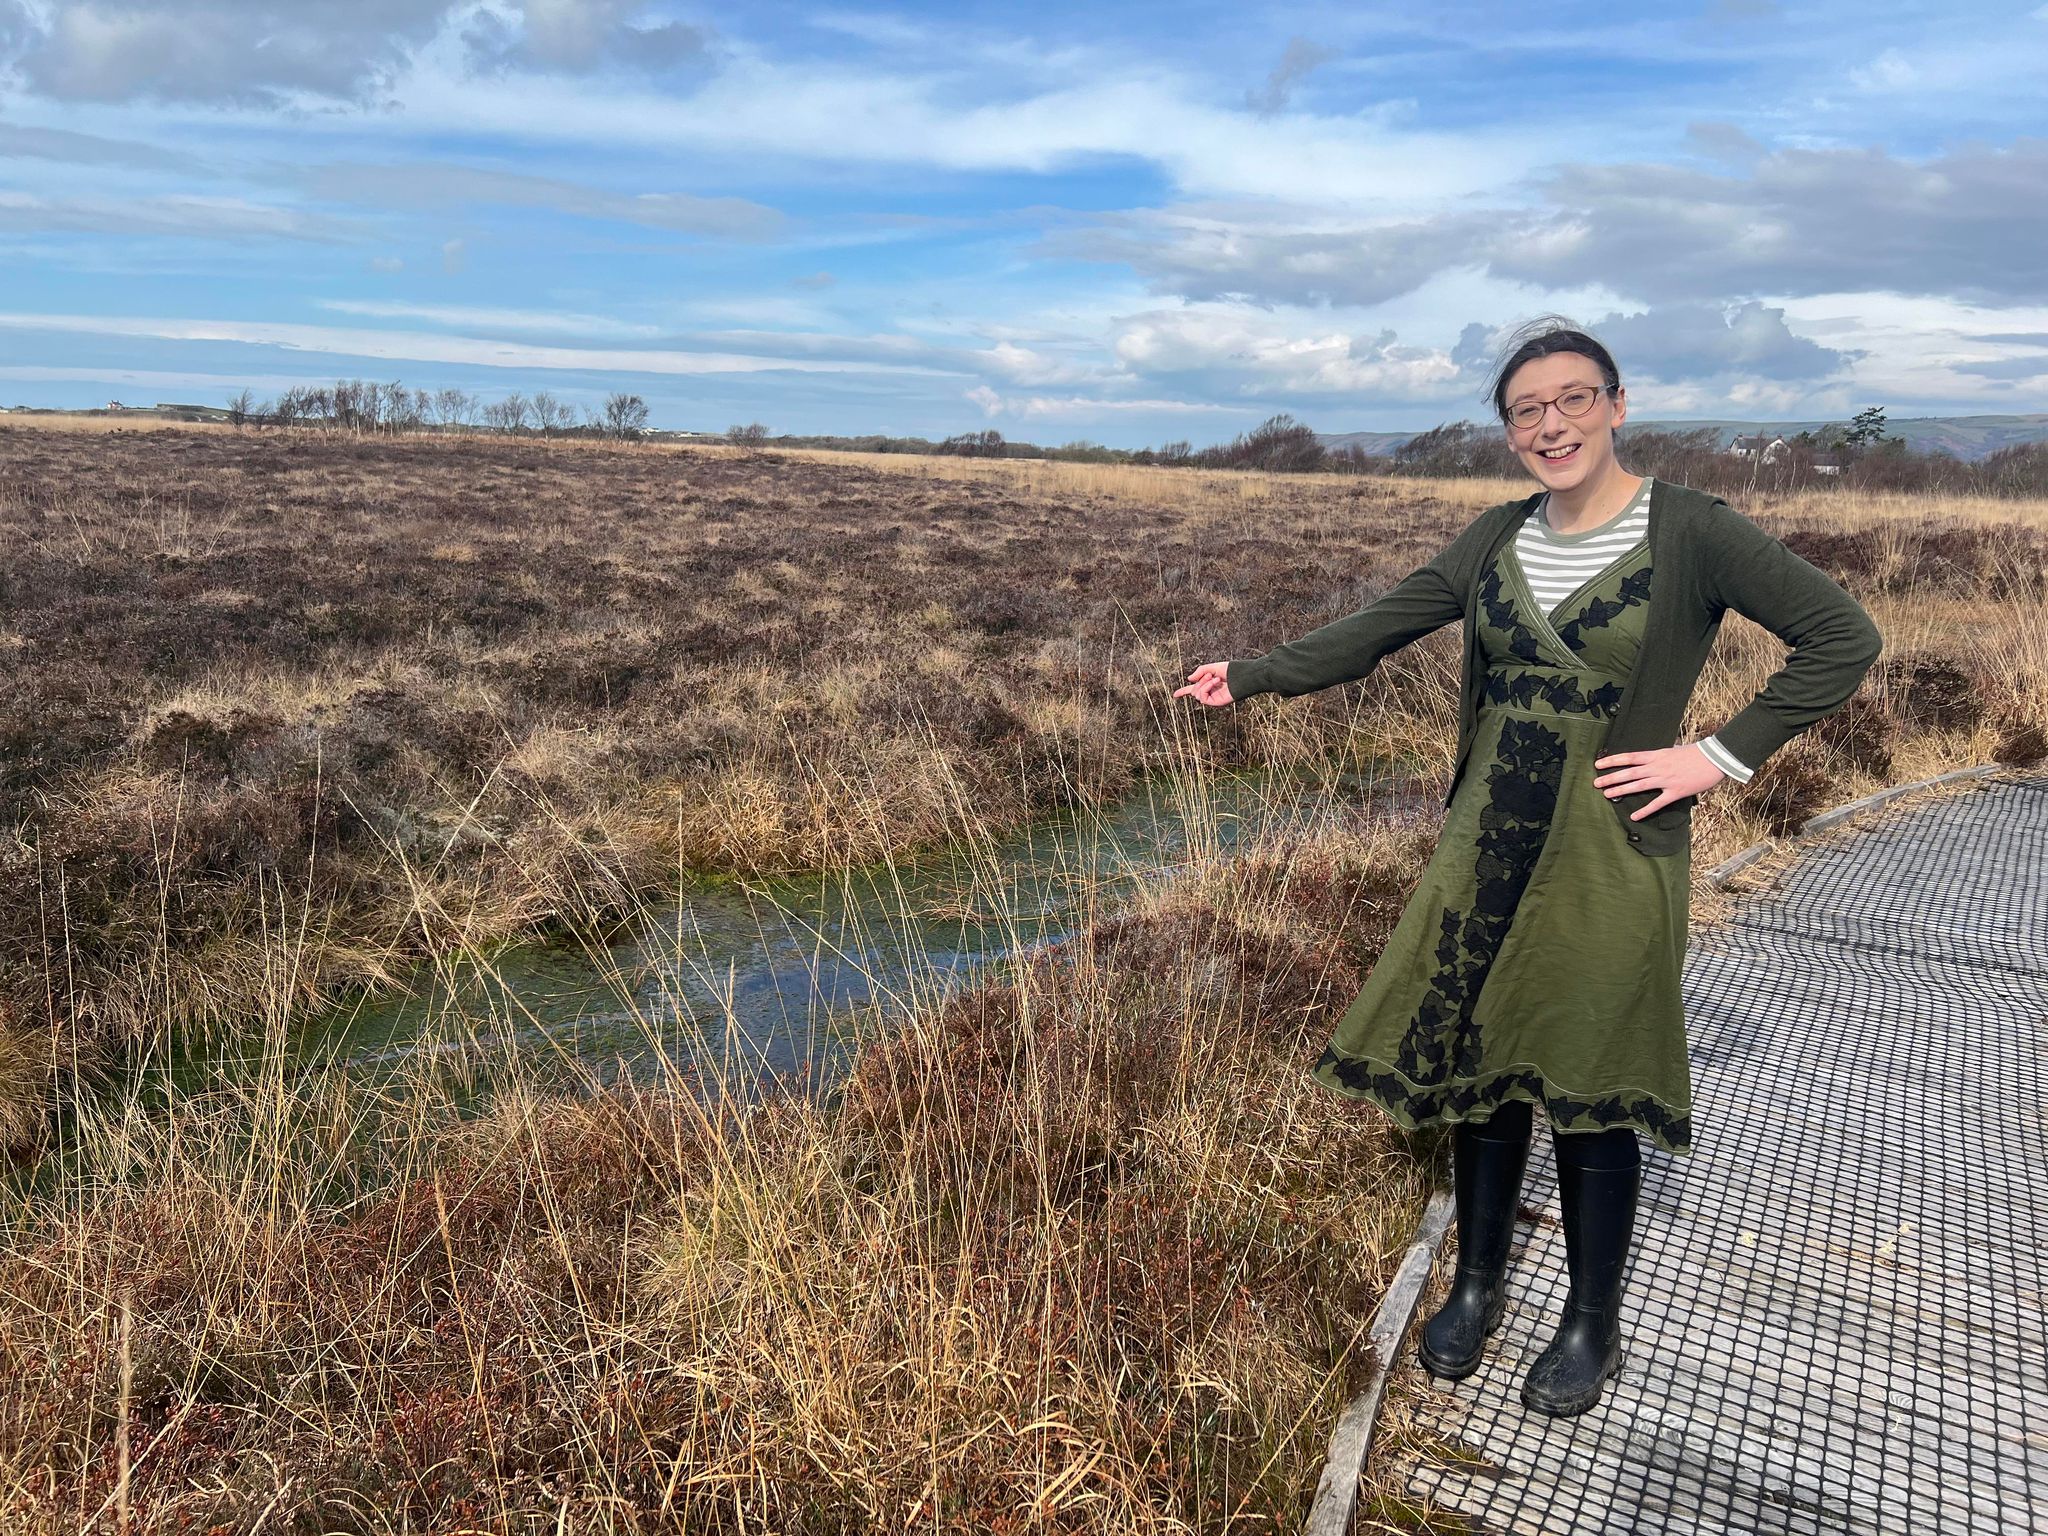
[1538, 963]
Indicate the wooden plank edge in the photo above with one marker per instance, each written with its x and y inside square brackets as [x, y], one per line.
[1822, 821]
[1336, 1499]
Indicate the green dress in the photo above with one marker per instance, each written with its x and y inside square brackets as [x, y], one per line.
[1540, 957]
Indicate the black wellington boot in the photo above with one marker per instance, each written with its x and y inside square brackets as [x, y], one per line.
[1487, 1162]
[1598, 1176]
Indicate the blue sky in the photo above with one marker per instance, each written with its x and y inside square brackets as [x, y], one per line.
[1125, 223]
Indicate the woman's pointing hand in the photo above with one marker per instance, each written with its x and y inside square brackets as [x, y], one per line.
[1210, 683]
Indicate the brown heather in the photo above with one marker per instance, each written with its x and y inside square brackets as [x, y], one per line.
[1076, 1249]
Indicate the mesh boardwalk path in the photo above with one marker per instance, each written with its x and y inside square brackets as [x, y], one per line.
[1833, 1318]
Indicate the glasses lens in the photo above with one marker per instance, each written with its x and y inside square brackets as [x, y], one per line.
[1526, 415]
[1576, 402]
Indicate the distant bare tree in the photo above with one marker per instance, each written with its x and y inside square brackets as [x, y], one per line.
[552, 415]
[508, 414]
[625, 416]
[353, 406]
[452, 408]
[752, 435]
[240, 408]
[402, 408]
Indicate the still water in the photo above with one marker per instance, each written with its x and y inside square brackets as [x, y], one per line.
[746, 981]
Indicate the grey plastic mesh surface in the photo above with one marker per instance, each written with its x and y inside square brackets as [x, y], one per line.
[1833, 1316]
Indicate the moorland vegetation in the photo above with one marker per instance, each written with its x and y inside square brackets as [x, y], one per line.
[1076, 1248]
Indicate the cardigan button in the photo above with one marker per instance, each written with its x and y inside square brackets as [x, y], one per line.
[1635, 837]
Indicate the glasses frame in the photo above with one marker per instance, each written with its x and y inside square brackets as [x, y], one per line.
[1508, 416]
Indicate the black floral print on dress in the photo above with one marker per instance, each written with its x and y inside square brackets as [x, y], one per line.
[1522, 785]
[1421, 1106]
[1634, 588]
[1500, 613]
[1557, 691]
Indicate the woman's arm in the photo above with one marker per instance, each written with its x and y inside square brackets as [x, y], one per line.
[1346, 649]
[1833, 640]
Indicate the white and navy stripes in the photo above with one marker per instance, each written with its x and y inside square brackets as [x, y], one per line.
[1557, 564]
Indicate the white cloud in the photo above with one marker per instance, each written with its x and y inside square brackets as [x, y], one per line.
[1023, 365]
[580, 36]
[545, 321]
[1053, 406]
[149, 378]
[423, 347]
[253, 52]
[835, 114]
[1891, 70]
[436, 185]
[189, 216]
[1269, 353]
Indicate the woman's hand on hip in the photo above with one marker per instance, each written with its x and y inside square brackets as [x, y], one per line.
[1210, 683]
[1673, 772]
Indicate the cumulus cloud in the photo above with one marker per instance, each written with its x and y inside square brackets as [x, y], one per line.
[1032, 368]
[1226, 251]
[1222, 346]
[1704, 341]
[1722, 141]
[1971, 223]
[251, 52]
[268, 52]
[579, 36]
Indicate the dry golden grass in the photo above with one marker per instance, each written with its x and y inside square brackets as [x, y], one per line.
[1080, 1249]
[1077, 1249]
[65, 421]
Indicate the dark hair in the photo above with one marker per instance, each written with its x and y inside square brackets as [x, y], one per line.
[1541, 337]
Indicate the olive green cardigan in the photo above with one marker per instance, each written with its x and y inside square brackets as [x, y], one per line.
[1707, 558]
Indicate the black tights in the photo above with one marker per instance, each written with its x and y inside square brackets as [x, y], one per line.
[1613, 1149]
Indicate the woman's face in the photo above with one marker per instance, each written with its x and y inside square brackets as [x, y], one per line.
[1564, 451]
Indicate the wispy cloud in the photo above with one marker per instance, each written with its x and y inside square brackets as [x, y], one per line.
[430, 347]
[472, 317]
[420, 185]
[189, 216]
[843, 218]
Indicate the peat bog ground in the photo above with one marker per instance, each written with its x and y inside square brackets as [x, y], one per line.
[1078, 1250]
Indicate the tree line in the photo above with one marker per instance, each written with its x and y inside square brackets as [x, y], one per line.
[1860, 453]
[365, 406]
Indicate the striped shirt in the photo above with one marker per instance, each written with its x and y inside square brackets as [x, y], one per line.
[1557, 564]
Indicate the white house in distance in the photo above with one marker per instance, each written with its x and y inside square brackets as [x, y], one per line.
[1762, 446]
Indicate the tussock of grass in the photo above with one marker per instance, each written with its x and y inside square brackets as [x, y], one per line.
[1079, 1248]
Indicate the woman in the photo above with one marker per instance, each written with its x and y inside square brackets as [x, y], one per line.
[1538, 963]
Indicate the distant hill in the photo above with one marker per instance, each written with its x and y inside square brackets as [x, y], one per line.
[1967, 437]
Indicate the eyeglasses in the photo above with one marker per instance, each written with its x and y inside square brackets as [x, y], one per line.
[1575, 401]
